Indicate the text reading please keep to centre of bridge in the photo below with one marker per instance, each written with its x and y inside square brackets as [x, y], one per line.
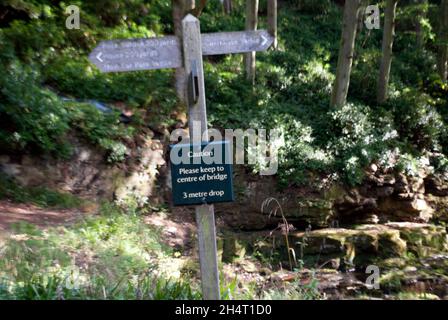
[201, 182]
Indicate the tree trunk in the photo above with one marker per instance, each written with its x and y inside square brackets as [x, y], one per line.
[386, 59]
[228, 6]
[361, 16]
[272, 21]
[420, 35]
[345, 60]
[442, 58]
[251, 24]
[179, 9]
[198, 8]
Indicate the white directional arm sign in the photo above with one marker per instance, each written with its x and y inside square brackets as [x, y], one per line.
[137, 54]
[165, 52]
[235, 42]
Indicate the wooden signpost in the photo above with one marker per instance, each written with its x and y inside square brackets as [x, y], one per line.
[165, 52]
[171, 52]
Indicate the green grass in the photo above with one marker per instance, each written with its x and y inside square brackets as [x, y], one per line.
[110, 256]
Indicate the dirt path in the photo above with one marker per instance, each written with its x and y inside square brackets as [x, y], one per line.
[11, 213]
[177, 227]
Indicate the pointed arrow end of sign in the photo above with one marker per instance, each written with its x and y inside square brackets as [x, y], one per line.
[98, 56]
[264, 40]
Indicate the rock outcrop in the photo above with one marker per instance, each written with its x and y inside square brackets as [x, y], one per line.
[340, 248]
[386, 197]
[87, 174]
[382, 197]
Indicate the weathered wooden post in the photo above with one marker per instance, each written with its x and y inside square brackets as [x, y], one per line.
[179, 9]
[197, 113]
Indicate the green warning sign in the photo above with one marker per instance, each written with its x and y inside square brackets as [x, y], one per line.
[201, 173]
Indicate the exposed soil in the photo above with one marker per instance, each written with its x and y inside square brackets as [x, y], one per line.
[11, 213]
[177, 227]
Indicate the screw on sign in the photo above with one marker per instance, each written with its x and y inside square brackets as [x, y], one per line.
[166, 52]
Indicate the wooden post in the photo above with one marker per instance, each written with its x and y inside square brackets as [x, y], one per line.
[179, 10]
[251, 24]
[205, 215]
[272, 21]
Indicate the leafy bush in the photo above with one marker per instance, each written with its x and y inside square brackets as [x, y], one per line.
[35, 41]
[413, 67]
[313, 6]
[79, 78]
[440, 163]
[102, 129]
[36, 118]
[364, 77]
[417, 120]
[356, 140]
[299, 157]
[31, 116]
[411, 165]
[40, 52]
[438, 90]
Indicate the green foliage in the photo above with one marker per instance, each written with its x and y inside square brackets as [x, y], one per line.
[358, 136]
[417, 12]
[110, 256]
[291, 93]
[76, 76]
[440, 163]
[299, 157]
[103, 129]
[417, 120]
[40, 56]
[30, 115]
[295, 291]
[410, 165]
[313, 6]
[35, 41]
[35, 118]
[364, 76]
[150, 14]
[438, 91]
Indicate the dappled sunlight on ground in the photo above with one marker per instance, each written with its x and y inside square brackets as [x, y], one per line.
[11, 213]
